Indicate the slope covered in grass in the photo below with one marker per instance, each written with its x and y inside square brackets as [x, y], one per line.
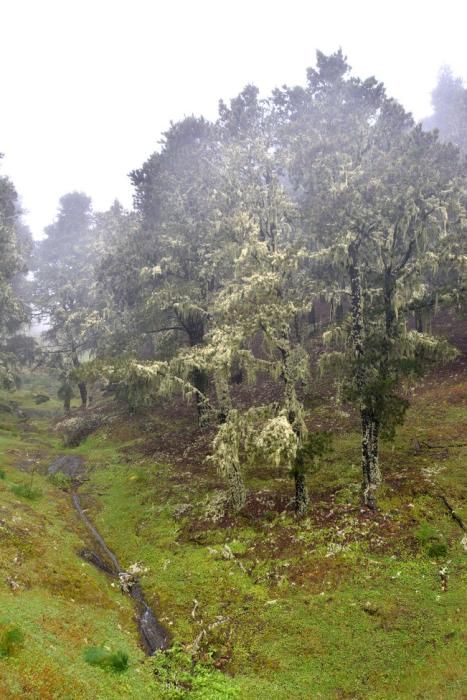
[345, 604]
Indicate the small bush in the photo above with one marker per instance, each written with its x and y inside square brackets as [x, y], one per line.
[431, 540]
[426, 533]
[26, 491]
[10, 641]
[2, 474]
[61, 481]
[181, 676]
[437, 550]
[116, 661]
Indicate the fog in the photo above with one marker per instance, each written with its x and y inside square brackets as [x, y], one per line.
[89, 87]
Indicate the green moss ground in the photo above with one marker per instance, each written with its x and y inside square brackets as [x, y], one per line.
[342, 605]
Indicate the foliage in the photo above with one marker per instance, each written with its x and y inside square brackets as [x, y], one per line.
[15, 242]
[103, 657]
[27, 491]
[182, 676]
[11, 640]
[61, 481]
[322, 200]
[431, 540]
[63, 283]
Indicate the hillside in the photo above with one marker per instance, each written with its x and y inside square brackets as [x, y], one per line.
[345, 604]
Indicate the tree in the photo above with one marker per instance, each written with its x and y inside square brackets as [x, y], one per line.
[64, 281]
[180, 199]
[14, 248]
[263, 299]
[449, 101]
[379, 199]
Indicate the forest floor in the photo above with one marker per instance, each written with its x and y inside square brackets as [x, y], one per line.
[344, 604]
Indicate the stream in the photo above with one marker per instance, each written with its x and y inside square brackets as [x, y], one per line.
[153, 635]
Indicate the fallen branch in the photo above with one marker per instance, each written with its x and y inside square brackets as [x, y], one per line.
[423, 443]
[457, 518]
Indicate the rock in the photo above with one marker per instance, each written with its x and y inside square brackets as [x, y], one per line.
[77, 428]
[40, 398]
[70, 465]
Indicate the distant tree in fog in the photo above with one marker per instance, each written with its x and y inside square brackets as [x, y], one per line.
[449, 100]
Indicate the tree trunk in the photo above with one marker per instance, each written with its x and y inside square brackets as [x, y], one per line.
[371, 476]
[224, 401]
[83, 392]
[66, 405]
[237, 489]
[418, 321]
[423, 318]
[301, 494]
[390, 314]
[199, 378]
[370, 459]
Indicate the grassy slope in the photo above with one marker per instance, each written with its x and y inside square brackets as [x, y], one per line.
[344, 605]
[62, 604]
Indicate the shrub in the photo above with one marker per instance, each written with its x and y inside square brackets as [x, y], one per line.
[26, 491]
[426, 533]
[104, 658]
[182, 676]
[61, 481]
[437, 550]
[10, 641]
[431, 540]
[2, 474]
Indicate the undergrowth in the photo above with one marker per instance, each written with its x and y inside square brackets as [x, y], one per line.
[105, 658]
[11, 640]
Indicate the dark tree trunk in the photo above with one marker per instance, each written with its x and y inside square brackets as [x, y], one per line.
[389, 302]
[418, 320]
[83, 392]
[199, 378]
[301, 494]
[423, 318]
[66, 404]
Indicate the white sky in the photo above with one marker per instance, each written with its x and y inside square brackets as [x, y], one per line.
[87, 86]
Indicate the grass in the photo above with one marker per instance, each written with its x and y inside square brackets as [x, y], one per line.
[11, 640]
[342, 605]
[103, 657]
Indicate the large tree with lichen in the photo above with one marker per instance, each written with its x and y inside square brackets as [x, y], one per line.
[380, 201]
[63, 282]
[180, 200]
[14, 250]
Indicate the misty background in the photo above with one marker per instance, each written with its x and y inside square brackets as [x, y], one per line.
[88, 87]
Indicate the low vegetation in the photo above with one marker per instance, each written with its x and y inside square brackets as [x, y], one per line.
[247, 414]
